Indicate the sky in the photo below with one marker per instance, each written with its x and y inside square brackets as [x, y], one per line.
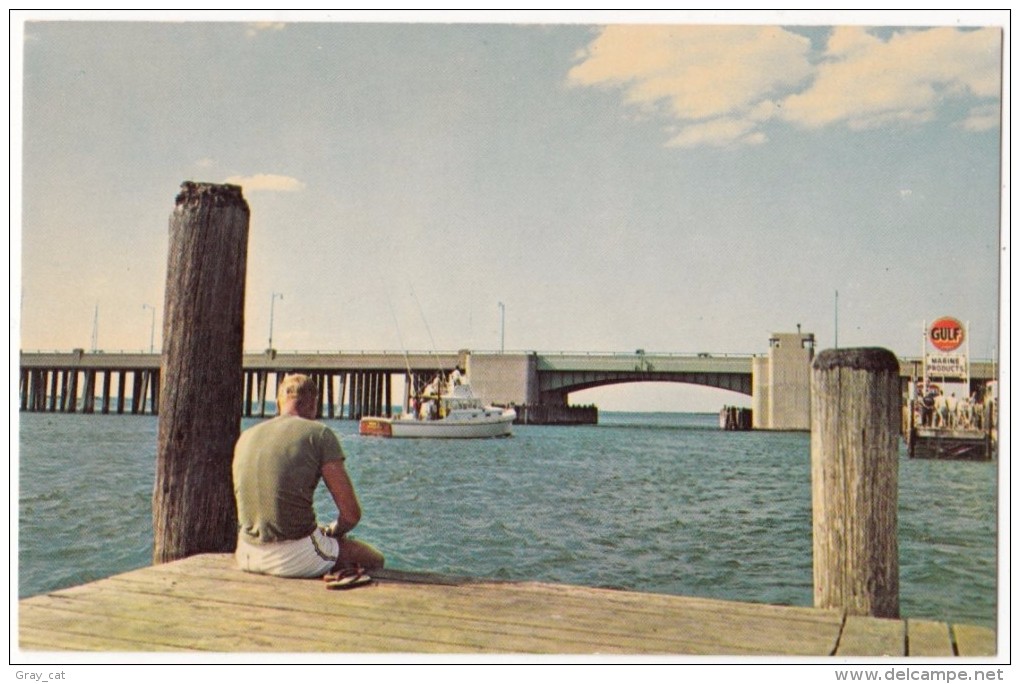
[675, 182]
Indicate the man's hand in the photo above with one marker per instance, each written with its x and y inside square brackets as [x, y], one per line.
[335, 530]
[339, 485]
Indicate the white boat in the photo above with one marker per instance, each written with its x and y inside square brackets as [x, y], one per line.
[455, 414]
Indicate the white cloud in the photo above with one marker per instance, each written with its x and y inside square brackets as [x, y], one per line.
[722, 83]
[866, 82]
[719, 133]
[983, 118]
[695, 72]
[267, 182]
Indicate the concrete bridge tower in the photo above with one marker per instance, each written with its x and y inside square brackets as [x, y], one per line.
[781, 398]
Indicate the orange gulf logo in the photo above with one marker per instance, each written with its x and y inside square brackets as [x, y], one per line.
[946, 334]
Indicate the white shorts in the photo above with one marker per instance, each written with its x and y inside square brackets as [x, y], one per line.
[312, 556]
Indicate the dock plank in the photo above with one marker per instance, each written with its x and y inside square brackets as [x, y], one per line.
[928, 638]
[973, 641]
[867, 636]
[42, 640]
[204, 603]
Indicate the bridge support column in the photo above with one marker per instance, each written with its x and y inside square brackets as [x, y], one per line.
[52, 403]
[38, 390]
[356, 399]
[157, 377]
[342, 392]
[329, 395]
[389, 395]
[121, 390]
[90, 392]
[263, 381]
[107, 378]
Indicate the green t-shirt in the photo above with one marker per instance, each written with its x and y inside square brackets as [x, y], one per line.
[277, 466]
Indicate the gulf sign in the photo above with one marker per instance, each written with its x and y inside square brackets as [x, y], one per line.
[946, 334]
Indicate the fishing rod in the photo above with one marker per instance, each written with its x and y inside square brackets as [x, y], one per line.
[435, 353]
[403, 348]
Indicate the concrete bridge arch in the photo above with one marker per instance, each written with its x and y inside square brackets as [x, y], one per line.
[555, 388]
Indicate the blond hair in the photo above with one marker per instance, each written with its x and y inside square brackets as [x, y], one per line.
[297, 386]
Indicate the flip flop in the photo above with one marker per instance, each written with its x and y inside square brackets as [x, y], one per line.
[347, 578]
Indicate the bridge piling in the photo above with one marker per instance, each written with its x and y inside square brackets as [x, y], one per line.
[71, 394]
[89, 403]
[105, 405]
[263, 381]
[52, 403]
[121, 384]
[28, 391]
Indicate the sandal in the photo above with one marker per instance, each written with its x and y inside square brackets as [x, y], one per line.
[346, 578]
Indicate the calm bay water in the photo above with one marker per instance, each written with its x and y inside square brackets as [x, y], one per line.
[660, 502]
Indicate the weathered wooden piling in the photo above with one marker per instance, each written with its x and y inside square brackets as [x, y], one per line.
[855, 405]
[201, 398]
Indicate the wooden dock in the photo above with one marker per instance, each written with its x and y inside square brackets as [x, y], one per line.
[204, 604]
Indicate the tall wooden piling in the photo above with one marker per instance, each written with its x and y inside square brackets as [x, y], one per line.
[855, 404]
[193, 509]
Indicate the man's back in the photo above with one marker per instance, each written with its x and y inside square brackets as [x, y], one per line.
[277, 466]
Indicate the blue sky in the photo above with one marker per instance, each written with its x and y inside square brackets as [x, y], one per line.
[674, 185]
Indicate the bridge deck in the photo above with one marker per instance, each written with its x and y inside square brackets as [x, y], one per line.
[204, 604]
[398, 361]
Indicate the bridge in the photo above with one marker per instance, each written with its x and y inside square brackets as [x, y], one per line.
[561, 374]
[357, 383]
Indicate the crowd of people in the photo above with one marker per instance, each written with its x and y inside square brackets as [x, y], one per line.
[934, 408]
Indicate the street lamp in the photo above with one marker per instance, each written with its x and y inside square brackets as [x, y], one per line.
[272, 303]
[502, 321]
[152, 329]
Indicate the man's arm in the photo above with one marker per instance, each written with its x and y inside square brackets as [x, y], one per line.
[342, 489]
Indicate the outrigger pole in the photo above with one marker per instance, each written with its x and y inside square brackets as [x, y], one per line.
[403, 349]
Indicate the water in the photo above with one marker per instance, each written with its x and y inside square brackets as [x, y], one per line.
[661, 503]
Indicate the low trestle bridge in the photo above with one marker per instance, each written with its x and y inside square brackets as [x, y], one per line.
[357, 383]
[351, 384]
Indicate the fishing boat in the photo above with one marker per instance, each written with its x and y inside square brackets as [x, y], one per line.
[446, 410]
[947, 417]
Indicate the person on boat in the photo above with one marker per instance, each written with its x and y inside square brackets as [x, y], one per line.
[277, 466]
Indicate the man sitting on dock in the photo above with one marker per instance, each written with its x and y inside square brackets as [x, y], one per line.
[277, 467]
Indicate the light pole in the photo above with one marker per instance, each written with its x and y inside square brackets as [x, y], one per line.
[152, 329]
[272, 303]
[502, 321]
